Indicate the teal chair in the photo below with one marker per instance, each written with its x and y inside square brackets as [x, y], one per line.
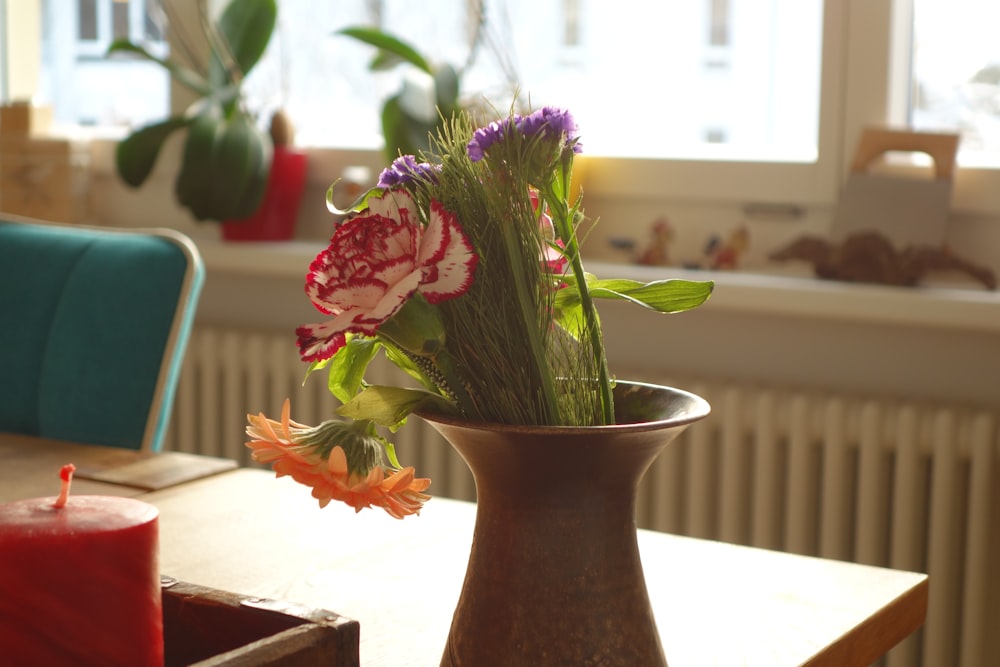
[95, 322]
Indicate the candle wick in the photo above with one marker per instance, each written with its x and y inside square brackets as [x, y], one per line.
[66, 475]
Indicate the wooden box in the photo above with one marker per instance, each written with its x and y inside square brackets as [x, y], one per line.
[45, 178]
[23, 119]
[205, 627]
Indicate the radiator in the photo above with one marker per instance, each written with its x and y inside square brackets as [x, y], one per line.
[865, 479]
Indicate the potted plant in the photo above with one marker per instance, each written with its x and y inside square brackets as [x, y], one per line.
[226, 159]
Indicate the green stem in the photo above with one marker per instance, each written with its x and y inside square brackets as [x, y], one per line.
[563, 220]
[594, 330]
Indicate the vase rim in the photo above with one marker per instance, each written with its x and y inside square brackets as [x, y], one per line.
[693, 409]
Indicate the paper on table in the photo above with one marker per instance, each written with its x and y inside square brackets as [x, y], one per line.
[159, 471]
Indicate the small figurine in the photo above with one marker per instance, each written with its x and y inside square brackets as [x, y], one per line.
[869, 257]
[657, 253]
[721, 255]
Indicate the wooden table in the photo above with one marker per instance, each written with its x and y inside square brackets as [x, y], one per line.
[29, 468]
[243, 531]
[715, 604]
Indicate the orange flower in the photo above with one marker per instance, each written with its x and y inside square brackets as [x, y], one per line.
[339, 460]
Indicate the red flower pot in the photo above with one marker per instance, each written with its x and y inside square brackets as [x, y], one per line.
[278, 211]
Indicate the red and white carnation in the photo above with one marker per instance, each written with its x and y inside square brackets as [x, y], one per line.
[375, 262]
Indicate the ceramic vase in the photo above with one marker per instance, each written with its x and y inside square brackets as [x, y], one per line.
[554, 576]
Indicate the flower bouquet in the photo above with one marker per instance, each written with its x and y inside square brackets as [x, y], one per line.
[463, 267]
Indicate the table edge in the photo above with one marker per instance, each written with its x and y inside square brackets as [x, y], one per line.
[894, 622]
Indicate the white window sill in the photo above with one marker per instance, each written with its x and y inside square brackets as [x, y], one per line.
[949, 308]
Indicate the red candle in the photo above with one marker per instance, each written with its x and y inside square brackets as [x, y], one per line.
[80, 581]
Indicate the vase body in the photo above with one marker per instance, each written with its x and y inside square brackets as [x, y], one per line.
[554, 575]
[278, 212]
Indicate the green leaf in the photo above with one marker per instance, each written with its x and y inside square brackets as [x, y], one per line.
[390, 453]
[195, 178]
[315, 366]
[569, 312]
[664, 296]
[405, 364]
[241, 164]
[446, 89]
[247, 25]
[184, 75]
[136, 155]
[390, 406]
[224, 99]
[388, 46]
[394, 130]
[348, 365]
[359, 204]
[417, 328]
[403, 133]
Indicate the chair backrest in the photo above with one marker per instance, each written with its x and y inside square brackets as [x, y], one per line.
[95, 323]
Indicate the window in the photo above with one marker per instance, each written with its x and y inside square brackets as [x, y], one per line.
[82, 85]
[707, 81]
[714, 78]
[739, 100]
[958, 88]
[101, 21]
[731, 78]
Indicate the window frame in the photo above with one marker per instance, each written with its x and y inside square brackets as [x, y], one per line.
[96, 49]
[863, 44]
[749, 181]
[4, 56]
[21, 60]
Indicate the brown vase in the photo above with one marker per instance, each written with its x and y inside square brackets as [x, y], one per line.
[554, 576]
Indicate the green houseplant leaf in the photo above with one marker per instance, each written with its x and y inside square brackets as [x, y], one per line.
[215, 146]
[392, 50]
[181, 73]
[447, 83]
[246, 27]
[136, 154]
[403, 132]
[226, 158]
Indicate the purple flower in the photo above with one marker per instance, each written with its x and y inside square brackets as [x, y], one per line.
[547, 122]
[550, 122]
[406, 169]
[485, 137]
